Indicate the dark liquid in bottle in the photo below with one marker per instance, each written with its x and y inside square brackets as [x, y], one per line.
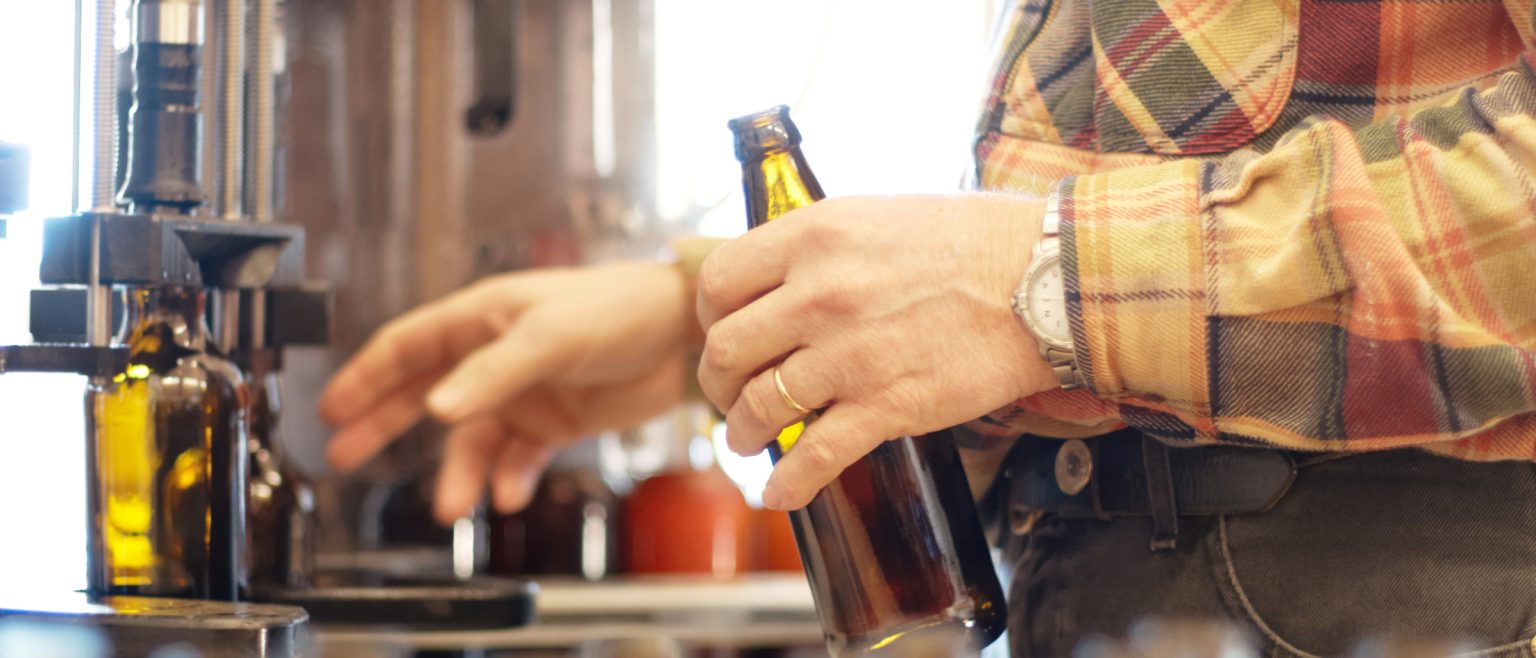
[567, 529]
[895, 550]
[282, 500]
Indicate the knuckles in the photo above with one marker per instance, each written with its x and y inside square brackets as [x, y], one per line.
[817, 457]
[713, 289]
[755, 410]
[722, 350]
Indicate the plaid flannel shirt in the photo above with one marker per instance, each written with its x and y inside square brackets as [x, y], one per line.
[1307, 224]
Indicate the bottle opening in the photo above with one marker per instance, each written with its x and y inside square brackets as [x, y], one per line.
[761, 132]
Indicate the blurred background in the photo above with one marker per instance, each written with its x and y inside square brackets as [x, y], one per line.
[423, 146]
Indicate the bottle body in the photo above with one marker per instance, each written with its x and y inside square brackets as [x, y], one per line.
[893, 548]
[689, 517]
[167, 460]
[282, 500]
[687, 522]
[567, 529]
[896, 556]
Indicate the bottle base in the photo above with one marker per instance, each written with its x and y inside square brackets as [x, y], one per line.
[926, 638]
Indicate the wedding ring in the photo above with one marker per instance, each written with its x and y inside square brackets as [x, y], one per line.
[784, 393]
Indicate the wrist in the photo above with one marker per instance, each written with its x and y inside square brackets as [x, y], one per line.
[690, 253]
[1019, 222]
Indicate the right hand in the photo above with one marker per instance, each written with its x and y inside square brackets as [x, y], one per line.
[519, 365]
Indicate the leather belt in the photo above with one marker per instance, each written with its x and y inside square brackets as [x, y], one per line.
[1129, 474]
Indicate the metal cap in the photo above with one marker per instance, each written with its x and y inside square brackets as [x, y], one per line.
[764, 131]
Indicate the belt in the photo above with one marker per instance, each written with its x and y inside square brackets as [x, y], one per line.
[1129, 474]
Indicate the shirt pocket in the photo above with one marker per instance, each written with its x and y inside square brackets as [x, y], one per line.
[1165, 77]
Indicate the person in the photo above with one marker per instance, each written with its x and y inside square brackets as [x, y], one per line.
[1295, 242]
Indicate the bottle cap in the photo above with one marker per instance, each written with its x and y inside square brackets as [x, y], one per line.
[764, 131]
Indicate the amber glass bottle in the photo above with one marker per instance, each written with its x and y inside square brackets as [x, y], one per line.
[167, 472]
[569, 528]
[893, 547]
[282, 500]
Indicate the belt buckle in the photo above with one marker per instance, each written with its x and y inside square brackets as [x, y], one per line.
[1074, 467]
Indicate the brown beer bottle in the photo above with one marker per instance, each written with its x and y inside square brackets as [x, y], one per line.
[282, 500]
[167, 467]
[893, 547]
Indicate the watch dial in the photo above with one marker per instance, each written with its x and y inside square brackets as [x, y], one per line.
[1047, 301]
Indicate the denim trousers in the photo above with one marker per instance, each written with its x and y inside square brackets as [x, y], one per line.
[1363, 553]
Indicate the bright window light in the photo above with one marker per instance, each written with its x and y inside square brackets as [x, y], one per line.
[42, 462]
[885, 93]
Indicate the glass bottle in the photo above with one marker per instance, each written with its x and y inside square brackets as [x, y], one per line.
[689, 518]
[893, 548]
[569, 527]
[167, 459]
[282, 500]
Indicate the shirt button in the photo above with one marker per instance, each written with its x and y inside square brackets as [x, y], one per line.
[1074, 467]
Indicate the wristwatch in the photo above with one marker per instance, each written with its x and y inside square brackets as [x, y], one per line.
[1041, 300]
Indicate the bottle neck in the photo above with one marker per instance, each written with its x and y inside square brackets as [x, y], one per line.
[161, 318]
[778, 181]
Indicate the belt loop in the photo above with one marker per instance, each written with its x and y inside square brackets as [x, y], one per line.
[1160, 496]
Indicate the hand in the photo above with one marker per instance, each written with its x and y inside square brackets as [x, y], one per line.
[891, 315]
[519, 365]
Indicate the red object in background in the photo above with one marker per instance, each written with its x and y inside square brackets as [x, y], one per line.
[687, 521]
[774, 547]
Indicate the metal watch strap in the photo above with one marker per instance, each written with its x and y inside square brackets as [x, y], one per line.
[1064, 365]
[1063, 362]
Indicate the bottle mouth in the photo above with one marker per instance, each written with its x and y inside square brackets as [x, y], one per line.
[761, 132]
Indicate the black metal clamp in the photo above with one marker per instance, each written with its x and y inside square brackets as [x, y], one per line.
[265, 260]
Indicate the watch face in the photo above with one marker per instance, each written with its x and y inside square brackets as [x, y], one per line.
[1046, 303]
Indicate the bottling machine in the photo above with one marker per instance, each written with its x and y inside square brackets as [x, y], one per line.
[190, 505]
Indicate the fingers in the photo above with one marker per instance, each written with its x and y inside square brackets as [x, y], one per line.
[747, 342]
[744, 269]
[614, 406]
[467, 459]
[517, 473]
[760, 412]
[837, 438]
[531, 350]
[415, 342]
[363, 437]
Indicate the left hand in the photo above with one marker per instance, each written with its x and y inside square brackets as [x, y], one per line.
[891, 315]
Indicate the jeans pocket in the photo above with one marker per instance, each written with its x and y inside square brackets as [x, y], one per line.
[1353, 607]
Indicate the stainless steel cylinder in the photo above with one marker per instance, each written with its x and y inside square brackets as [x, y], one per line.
[261, 111]
[169, 21]
[98, 301]
[104, 108]
[231, 105]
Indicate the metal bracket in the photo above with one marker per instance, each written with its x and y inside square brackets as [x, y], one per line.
[294, 316]
[147, 250]
[77, 359]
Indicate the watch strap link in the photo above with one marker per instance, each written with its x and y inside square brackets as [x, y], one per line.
[1064, 366]
[1063, 362]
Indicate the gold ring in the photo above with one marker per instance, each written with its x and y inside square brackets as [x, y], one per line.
[784, 393]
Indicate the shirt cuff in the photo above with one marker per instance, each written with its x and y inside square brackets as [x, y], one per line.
[690, 252]
[1133, 255]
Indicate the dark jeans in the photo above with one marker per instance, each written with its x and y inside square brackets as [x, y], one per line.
[1399, 545]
